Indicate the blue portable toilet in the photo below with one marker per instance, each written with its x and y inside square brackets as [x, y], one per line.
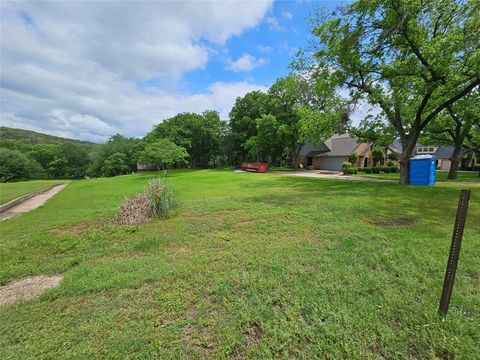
[422, 170]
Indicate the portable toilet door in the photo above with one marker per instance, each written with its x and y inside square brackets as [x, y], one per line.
[422, 170]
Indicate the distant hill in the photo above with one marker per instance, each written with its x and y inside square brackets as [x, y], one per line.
[31, 137]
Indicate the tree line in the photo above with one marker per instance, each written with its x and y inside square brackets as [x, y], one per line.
[418, 62]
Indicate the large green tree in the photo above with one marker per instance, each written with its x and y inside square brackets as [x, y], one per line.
[51, 158]
[268, 145]
[243, 123]
[17, 165]
[289, 105]
[163, 153]
[199, 134]
[413, 59]
[453, 127]
[116, 144]
[115, 164]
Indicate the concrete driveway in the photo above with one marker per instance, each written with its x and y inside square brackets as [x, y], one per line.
[322, 174]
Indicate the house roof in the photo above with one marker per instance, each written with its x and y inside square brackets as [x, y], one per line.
[341, 145]
[442, 152]
[337, 145]
[310, 147]
[396, 146]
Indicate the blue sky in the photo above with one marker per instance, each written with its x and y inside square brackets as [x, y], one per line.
[275, 40]
[87, 70]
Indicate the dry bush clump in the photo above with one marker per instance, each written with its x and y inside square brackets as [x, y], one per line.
[158, 199]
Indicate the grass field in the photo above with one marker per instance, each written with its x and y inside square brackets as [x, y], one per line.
[463, 176]
[252, 266]
[10, 191]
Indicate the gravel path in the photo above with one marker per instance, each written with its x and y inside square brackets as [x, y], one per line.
[31, 203]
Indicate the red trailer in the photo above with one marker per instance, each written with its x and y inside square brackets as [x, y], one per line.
[255, 167]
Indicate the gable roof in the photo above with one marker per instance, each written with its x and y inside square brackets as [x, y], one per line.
[441, 152]
[310, 149]
[444, 152]
[341, 145]
[337, 145]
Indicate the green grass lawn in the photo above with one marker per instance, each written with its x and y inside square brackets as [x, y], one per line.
[10, 191]
[252, 266]
[463, 176]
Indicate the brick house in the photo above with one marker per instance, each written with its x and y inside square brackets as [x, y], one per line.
[331, 154]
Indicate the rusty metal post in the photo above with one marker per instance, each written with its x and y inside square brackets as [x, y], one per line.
[454, 251]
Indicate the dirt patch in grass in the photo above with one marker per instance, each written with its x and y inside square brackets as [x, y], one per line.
[398, 222]
[81, 228]
[27, 288]
[253, 336]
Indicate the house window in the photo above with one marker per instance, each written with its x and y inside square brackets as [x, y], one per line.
[426, 150]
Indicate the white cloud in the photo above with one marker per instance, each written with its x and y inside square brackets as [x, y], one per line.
[274, 24]
[76, 68]
[246, 62]
[264, 49]
[287, 15]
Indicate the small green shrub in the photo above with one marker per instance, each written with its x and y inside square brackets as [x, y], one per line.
[375, 170]
[390, 163]
[385, 169]
[346, 167]
[393, 169]
[354, 170]
[353, 158]
[163, 197]
[367, 170]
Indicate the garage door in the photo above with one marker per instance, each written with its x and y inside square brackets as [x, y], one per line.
[332, 162]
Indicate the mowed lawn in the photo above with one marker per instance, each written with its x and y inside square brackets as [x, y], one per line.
[10, 191]
[252, 266]
[463, 176]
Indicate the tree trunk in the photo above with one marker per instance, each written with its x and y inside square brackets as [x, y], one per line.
[455, 161]
[295, 156]
[404, 169]
[407, 152]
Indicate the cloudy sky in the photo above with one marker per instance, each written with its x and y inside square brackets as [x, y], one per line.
[90, 69]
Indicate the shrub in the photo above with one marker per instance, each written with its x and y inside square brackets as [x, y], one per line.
[375, 170]
[393, 156]
[163, 197]
[385, 169]
[354, 170]
[367, 170]
[390, 163]
[393, 169]
[158, 199]
[353, 158]
[377, 155]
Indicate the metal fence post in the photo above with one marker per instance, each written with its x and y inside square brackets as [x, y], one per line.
[454, 251]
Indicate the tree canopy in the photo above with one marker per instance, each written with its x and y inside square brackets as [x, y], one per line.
[412, 59]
